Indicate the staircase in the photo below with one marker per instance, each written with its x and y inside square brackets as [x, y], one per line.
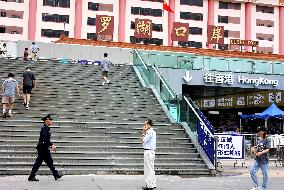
[97, 128]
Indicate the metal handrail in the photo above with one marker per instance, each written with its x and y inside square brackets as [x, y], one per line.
[140, 58]
[198, 116]
[157, 72]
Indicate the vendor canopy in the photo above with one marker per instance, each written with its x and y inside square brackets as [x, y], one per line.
[272, 112]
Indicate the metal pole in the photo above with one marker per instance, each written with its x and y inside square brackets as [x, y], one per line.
[216, 147]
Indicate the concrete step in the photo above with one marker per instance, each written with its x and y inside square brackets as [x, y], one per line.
[99, 160]
[103, 171]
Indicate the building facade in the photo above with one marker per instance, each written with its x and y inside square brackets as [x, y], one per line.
[45, 20]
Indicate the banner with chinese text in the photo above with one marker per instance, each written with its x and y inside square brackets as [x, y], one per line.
[143, 28]
[230, 147]
[252, 99]
[180, 32]
[215, 34]
[206, 136]
[104, 24]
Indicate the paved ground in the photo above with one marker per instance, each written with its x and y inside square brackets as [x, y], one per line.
[236, 178]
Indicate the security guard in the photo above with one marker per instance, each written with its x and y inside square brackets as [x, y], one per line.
[43, 150]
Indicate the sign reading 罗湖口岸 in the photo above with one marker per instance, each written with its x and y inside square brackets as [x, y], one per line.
[230, 147]
[244, 42]
[229, 78]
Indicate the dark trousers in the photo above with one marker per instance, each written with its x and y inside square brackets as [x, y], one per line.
[44, 155]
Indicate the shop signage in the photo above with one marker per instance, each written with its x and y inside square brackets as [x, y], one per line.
[244, 42]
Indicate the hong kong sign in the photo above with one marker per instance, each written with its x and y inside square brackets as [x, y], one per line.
[229, 79]
[104, 25]
[244, 42]
[143, 28]
[180, 31]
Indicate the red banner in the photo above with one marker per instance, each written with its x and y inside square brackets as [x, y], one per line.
[143, 28]
[215, 34]
[180, 32]
[104, 25]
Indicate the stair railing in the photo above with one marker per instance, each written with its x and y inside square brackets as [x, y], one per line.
[153, 78]
[182, 109]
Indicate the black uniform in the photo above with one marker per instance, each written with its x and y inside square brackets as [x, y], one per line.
[44, 153]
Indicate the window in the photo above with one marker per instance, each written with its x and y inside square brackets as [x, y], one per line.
[226, 33]
[91, 21]
[3, 14]
[146, 11]
[100, 7]
[191, 44]
[223, 19]
[191, 16]
[2, 30]
[223, 46]
[92, 36]
[57, 3]
[264, 9]
[93, 6]
[223, 5]
[53, 33]
[195, 30]
[155, 27]
[156, 41]
[198, 3]
[55, 18]
[229, 5]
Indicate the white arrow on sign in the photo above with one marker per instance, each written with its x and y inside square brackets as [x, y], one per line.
[187, 78]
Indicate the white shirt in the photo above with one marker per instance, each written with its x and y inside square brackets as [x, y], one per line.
[150, 139]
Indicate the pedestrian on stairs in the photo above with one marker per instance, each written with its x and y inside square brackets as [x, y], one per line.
[105, 63]
[43, 149]
[3, 51]
[28, 84]
[149, 144]
[9, 87]
[35, 50]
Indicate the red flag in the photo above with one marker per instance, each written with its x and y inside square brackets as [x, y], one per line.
[167, 7]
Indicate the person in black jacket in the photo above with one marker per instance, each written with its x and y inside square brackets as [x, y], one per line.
[43, 150]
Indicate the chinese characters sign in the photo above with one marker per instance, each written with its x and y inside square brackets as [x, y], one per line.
[143, 28]
[219, 78]
[244, 42]
[205, 133]
[230, 147]
[254, 99]
[180, 32]
[104, 25]
[215, 34]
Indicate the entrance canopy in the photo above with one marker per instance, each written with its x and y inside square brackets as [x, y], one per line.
[272, 112]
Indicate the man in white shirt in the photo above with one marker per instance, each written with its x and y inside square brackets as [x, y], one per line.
[34, 49]
[149, 144]
[3, 51]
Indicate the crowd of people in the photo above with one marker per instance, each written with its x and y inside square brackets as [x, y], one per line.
[27, 55]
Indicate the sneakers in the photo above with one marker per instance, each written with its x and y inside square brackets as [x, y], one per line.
[255, 188]
[10, 115]
[4, 115]
[103, 83]
[33, 179]
[27, 107]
